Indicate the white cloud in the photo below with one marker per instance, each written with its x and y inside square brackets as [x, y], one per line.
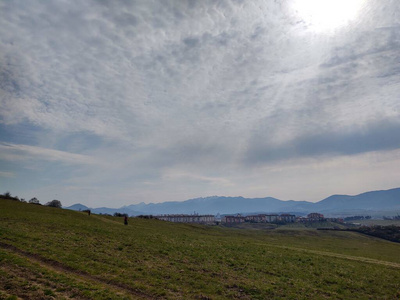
[171, 175]
[14, 152]
[7, 174]
[193, 87]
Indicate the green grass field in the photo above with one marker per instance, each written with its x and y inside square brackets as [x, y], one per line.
[49, 253]
[378, 222]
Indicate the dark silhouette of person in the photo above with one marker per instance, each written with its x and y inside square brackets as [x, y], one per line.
[126, 220]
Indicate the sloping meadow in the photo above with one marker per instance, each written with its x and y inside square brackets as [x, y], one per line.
[98, 257]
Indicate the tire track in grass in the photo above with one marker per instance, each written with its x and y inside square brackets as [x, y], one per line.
[338, 255]
[78, 274]
[29, 282]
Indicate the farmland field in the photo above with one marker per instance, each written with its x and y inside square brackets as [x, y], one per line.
[50, 253]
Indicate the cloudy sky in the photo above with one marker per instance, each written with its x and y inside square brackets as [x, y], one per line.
[110, 103]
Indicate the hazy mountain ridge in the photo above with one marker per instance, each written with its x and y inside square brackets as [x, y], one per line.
[370, 200]
[77, 206]
[374, 202]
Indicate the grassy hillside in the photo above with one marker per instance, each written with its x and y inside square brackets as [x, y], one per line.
[48, 253]
[378, 222]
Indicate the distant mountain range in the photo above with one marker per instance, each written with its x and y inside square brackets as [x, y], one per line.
[376, 203]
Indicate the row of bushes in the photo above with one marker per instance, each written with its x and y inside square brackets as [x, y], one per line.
[391, 233]
[356, 218]
[34, 200]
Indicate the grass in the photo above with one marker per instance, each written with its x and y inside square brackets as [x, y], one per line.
[49, 253]
[373, 222]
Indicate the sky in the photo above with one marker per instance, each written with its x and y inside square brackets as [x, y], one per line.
[111, 103]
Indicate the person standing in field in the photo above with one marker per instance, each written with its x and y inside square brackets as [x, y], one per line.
[126, 220]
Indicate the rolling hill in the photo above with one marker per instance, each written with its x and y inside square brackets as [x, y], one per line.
[52, 253]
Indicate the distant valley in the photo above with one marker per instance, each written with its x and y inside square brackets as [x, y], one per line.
[375, 203]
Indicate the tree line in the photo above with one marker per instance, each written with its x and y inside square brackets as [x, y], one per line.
[34, 200]
[391, 232]
[356, 218]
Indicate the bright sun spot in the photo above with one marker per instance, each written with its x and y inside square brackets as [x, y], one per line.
[324, 15]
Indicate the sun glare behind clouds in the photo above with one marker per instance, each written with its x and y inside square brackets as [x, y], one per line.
[325, 15]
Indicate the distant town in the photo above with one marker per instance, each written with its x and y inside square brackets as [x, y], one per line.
[238, 218]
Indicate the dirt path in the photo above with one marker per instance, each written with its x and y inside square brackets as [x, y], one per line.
[82, 276]
[338, 255]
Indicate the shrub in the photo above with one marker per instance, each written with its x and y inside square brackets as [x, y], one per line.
[54, 203]
[117, 214]
[8, 196]
[34, 200]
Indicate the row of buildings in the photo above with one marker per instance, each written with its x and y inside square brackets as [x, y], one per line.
[234, 219]
[260, 218]
[180, 218]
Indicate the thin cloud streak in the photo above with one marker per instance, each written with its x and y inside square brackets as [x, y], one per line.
[26, 152]
[7, 174]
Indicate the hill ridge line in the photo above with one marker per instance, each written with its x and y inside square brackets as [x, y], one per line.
[374, 203]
